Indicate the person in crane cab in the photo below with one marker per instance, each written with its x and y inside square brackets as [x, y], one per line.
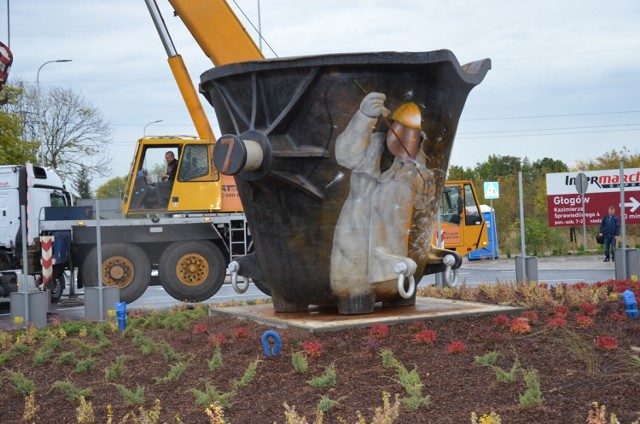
[172, 167]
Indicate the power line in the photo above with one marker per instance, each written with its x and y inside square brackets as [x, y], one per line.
[559, 115]
[550, 129]
[548, 134]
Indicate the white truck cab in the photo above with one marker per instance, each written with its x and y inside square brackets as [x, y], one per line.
[35, 187]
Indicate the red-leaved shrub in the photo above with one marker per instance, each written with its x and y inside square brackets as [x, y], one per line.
[590, 309]
[618, 316]
[313, 348]
[520, 326]
[240, 333]
[557, 322]
[501, 320]
[607, 343]
[561, 310]
[379, 331]
[200, 328]
[456, 346]
[217, 339]
[584, 321]
[530, 316]
[426, 336]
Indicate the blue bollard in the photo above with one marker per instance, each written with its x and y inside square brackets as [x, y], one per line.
[121, 314]
[271, 334]
[630, 304]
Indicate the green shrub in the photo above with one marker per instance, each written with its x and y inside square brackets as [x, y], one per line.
[73, 393]
[211, 395]
[388, 360]
[506, 376]
[85, 365]
[249, 375]
[532, 397]
[117, 369]
[174, 373]
[66, 358]
[487, 359]
[325, 403]
[131, 398]
[328, 379]
[215, 363]
[299, 362]
[170, 354]
[21, 384]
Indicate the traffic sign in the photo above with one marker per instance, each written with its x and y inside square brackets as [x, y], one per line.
[491, 190]
[582, 183]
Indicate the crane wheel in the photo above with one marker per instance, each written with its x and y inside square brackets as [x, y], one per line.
[192, 271]
[125, 266]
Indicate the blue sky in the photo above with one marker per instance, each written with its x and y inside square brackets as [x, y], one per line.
[565, 81]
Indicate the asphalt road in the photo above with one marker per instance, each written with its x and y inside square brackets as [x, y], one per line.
[551, 270]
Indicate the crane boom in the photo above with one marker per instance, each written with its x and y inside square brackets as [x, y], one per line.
[217, 30]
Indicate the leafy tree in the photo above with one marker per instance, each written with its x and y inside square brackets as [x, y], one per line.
[14, 149]
[70, 133]
[82, 183]
[497, 166]
[610, 160]
[112, 188]
[457, 173]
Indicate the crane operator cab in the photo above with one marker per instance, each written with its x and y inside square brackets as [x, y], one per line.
[172, 174]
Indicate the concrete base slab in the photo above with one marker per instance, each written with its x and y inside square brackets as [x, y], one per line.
[327, 319]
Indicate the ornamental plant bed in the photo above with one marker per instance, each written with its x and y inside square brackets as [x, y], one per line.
[547, 365]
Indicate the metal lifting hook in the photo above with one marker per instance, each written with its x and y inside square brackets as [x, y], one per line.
[450, 275]
[233, 269]
[401, 269]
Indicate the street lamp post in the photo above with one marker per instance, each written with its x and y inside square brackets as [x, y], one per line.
[144, 131]
[38, 101]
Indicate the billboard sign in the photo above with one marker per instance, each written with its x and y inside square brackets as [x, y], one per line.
[564, 203]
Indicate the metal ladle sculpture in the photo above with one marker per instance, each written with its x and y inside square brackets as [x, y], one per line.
[337, 217]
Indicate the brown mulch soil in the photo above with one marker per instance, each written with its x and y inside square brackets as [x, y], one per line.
[455, 385]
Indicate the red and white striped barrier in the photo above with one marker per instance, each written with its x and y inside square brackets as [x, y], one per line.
[47, 260]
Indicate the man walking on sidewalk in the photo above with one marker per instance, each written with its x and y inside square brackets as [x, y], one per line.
[610, 228]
